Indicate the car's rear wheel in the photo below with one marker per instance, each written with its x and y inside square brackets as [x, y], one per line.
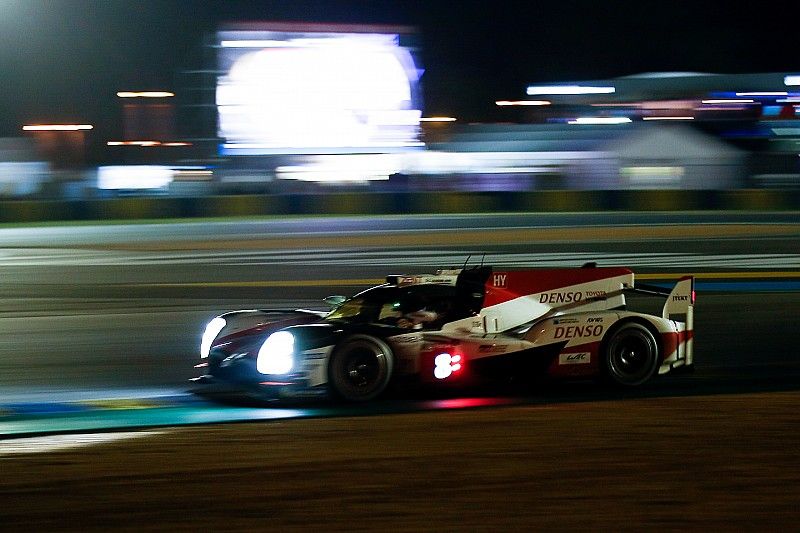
[360, 368]
[630, 355]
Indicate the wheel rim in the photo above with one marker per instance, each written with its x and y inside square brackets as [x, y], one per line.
[361, 371]
[631, 355]
[363, 367]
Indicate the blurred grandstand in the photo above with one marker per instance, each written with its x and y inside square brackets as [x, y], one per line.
[291, 107]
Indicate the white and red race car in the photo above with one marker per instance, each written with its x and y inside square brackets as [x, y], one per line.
[454, 327]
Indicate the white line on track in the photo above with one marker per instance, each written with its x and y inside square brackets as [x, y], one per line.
[54, 443]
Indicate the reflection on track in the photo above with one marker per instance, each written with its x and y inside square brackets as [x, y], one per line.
[52, 443]
[75, 414]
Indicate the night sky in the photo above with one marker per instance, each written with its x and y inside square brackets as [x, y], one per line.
[64, 60]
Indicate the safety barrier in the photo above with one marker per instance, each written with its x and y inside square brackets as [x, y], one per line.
[350, 203]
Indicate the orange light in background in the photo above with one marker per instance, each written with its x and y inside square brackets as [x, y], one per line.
[437, 119]
[145, 94]
[62, 145]
[133, 143]
[57, 127]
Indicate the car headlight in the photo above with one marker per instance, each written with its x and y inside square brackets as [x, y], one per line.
[276, 354]
[212, 330]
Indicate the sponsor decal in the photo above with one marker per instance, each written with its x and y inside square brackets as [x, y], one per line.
[594, 319]
[565, 321]
[575, 332]
[416, 280]
[492, 348]
[560, 297]
[678, 298]
[407, 338]
[579, 358]
[499, 280]
[595, 294]
[434, 280]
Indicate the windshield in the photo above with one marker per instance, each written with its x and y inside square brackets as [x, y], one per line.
[371, 305]
[414, 306]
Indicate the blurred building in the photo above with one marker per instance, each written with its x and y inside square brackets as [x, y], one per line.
[290, 107]
[647, 131]
[498, 157]
[756, 114]
[150, 157]
[23, 172]
[661, 157]
[147, 116]
[62, 145]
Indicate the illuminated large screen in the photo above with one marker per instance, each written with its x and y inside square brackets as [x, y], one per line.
[317, 89]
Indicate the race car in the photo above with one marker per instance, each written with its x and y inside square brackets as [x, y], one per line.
[454, 327]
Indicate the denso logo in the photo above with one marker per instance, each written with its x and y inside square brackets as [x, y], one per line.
[572, 332]
[560, 297]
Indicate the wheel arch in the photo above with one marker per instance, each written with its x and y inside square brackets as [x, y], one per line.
[635, 319]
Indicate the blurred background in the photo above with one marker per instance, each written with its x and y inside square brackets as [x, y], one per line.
[193, 99]
[659, 136]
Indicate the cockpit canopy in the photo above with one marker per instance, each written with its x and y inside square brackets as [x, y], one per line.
[388, 304]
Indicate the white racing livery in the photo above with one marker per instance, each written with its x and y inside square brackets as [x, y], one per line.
[456, 327]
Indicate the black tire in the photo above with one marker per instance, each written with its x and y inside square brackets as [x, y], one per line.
[630, 355]
[361, 368]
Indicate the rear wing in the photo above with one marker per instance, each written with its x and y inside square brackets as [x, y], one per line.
[680, 300]
[678, 307]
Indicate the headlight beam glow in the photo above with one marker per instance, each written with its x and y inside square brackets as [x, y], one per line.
[276, 354]
[212, 330]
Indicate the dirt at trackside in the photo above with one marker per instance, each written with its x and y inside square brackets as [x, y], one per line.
[706, 463]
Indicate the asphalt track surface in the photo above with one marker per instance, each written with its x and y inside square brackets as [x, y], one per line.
[91, 314]
[99, 327]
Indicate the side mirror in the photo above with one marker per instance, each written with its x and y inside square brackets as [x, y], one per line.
[334, 301]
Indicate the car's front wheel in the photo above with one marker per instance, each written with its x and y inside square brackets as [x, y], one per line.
[360, 368]
[630, 355]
